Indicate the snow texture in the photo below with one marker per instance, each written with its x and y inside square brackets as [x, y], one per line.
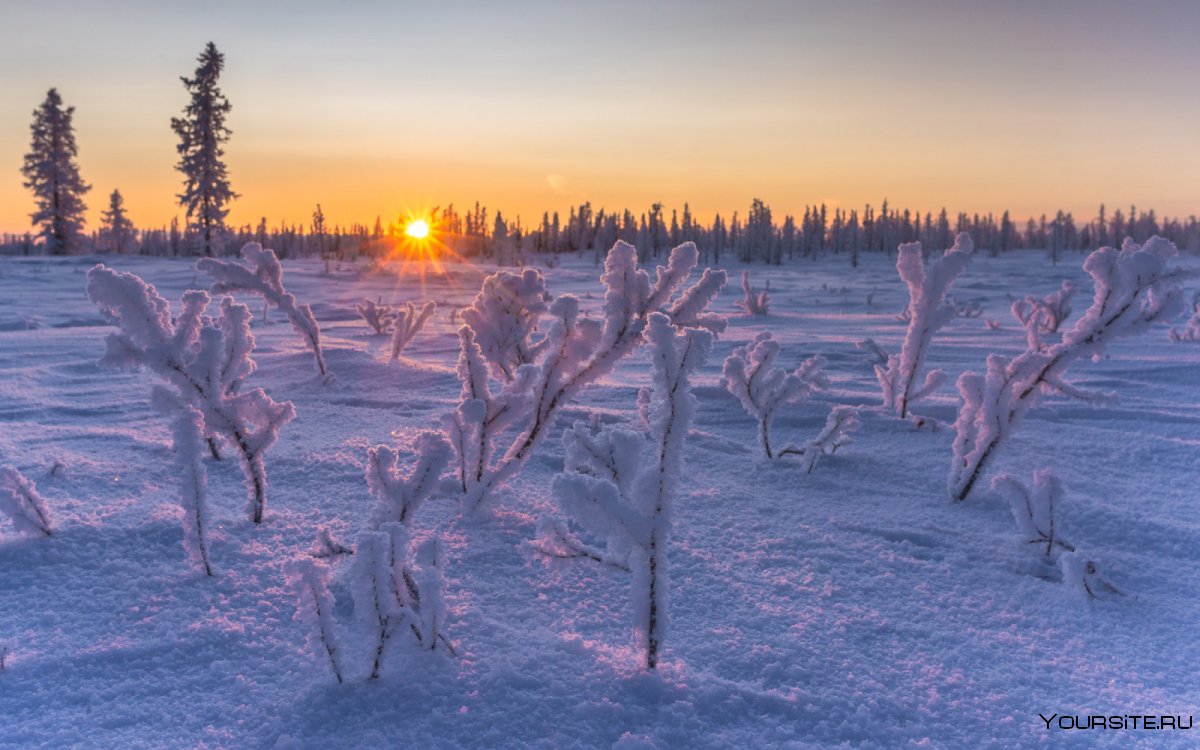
[262, 274]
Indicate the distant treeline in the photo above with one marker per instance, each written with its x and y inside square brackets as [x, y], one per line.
[755, 236]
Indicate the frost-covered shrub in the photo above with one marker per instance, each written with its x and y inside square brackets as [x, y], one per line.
[1134, 289]
[574, 353]
[1035, 509]
[841, 422]
[504, 316]
[264, 276]
[750, 374]
[379, 317]
[1083, 575]
[927, 312]
[408, 323]
[1047, 313]
[398, 586]
[753, 303]
[23, 505]
[397, 498]
[202, 362]
[620, 488]
[1190, 332]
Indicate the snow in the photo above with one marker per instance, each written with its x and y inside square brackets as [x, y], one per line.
[855, 605]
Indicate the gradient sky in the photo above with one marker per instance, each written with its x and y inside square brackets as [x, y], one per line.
[376, 107]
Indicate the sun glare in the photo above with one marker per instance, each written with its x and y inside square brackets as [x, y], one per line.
[417, 229]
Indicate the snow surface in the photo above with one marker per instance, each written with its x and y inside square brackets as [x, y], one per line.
[854, 606]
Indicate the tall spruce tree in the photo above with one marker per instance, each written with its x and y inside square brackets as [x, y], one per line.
[202, 133]
[115, 225]
[53, 176]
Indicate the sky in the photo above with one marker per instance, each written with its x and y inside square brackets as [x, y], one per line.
[380, 108]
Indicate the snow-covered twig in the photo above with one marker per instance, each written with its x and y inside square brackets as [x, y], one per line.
[620, 489]
[750, 374]
[408, 323]
[1047, 313]
[1134, 289]
[927, 312]
[327, 547]
[397, 498]
[753, 303]
[1191, 331]
[397, 587]
[379, 317]
[188, 438]
[264, 276]
[1035, 509]
[24, 506]
[314, 607]
[842, 421]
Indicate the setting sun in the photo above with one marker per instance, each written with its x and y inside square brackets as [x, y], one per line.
[418, 229]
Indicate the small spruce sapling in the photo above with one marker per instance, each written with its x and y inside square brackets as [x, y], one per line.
[24, 506]
[379, 317]
[408, 323]
[750, 374]
[262, 274]
[204, 361]
[622, 490]
[927, 311]
[753, 303]
[1135, 289]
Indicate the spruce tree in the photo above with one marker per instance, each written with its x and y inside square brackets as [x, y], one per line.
[116, 226]
[53, 176]
[202, 133]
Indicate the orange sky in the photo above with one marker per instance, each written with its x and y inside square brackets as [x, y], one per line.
[370, 108]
